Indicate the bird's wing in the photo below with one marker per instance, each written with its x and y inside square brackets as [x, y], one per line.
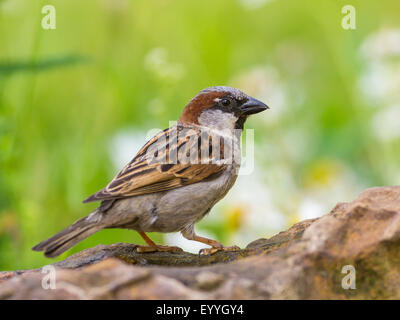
[150, 172]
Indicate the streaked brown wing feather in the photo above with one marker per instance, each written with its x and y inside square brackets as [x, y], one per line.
[141, 176]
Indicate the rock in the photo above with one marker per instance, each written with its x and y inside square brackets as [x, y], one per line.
[207, 280]
[360, 239]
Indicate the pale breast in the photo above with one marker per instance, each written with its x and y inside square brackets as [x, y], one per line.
[178, 208]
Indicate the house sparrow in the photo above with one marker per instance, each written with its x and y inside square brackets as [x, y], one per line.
[175, 179]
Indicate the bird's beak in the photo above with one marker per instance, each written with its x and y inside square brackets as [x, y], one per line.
[252, 106]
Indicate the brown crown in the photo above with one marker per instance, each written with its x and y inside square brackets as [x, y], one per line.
[198, 104]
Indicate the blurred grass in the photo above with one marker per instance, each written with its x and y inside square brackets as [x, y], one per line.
[57, 120]
[8, 68]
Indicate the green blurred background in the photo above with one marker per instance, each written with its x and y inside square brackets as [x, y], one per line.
[77, 102]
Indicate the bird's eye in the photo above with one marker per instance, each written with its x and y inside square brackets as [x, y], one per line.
[226, 102]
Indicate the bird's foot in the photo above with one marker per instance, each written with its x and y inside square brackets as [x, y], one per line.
[210, 251]
[158, 248]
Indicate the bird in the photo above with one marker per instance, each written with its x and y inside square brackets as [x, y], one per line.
[175, 179]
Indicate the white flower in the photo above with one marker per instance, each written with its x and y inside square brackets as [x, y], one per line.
[157, 62]
[386, 123]
[380, 81]
[260, 216]
[310, 208]
[382, 44]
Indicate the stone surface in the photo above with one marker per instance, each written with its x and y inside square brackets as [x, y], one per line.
[304, 262]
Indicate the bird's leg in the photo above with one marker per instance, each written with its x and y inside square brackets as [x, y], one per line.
[153, 247]
[189, 234]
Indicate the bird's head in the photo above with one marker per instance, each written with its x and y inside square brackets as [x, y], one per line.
[221, 108]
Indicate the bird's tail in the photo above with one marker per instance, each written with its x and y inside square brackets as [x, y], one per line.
[68, 237]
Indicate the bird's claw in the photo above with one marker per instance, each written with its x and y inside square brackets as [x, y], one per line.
[210, 251]
[159, 248]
